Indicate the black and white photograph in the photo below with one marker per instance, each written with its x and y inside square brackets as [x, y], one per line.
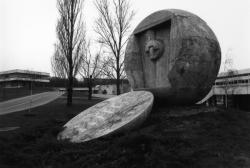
[124, 84]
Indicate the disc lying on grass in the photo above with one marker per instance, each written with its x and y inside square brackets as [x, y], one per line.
[113, 115]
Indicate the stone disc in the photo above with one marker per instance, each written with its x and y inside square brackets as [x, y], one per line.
[113, 115]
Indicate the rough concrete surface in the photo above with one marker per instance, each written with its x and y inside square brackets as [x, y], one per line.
[183, 71]
[113, 115]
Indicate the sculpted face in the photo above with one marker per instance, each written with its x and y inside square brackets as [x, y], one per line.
[153, 48]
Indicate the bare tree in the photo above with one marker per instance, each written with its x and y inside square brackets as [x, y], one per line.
[228, 84]
[58, 64]
[91, 67]
[112, 26]
[109, 68]
[71, 37]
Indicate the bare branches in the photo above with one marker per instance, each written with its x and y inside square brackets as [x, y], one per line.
[113, 26]
[92, 65]
[70, 28]
[229, 72]
[109, 67]
[58, 64]
[70, 31]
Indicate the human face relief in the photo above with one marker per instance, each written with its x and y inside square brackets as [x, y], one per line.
[153, 48]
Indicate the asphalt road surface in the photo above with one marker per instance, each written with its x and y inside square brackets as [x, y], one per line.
[27, 102]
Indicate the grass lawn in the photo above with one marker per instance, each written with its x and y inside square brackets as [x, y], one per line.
[215, 139]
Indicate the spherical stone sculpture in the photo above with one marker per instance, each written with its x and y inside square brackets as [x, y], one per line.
[173, 54]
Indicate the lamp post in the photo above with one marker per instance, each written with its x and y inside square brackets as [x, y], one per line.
[30, 92]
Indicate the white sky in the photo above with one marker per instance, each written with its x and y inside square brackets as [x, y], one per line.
[27, 28]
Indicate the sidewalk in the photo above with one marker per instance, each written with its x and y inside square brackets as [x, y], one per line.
[28, 102]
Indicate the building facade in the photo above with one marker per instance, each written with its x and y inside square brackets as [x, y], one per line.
[23, 78]
[231, 89]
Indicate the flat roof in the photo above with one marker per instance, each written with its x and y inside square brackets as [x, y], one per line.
[240, 72]
[24, 79]
[24, 71]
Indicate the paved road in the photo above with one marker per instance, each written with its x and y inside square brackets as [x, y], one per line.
[27, 102]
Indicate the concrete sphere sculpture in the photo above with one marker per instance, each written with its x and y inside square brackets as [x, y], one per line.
[175, 55]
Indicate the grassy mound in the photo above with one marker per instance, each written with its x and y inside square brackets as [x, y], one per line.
[214, 139]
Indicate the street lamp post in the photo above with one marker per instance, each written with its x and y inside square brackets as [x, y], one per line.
[30, 93]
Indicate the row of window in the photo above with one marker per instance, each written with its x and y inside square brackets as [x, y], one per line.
[232, 82]
[23, 76]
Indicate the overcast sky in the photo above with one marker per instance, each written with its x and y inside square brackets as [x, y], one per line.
[27, 28]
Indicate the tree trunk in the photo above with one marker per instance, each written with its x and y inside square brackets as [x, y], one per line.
[118, 91]
[70, 92]
[70, 88]
[226, 100]
[90, 87]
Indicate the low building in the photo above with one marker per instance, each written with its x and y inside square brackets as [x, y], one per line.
[21, 78]
[231, 88]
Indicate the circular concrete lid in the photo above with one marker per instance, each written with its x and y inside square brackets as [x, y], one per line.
[116, 114]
